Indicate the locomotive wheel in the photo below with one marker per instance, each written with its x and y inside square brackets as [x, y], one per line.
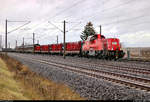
[83, 54]
[106, 58]
[116, 58]
[109, 58]
[87, 55]
[99, 56]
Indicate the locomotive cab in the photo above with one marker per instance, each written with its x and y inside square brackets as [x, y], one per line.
[113, 44]
[114, 48]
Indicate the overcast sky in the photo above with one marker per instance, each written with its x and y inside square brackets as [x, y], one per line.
[128, 20]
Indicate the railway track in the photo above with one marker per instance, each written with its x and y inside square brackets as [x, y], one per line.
[124, 68]
[144, 71]
[122, 62]
[135, 60]
[127, 80]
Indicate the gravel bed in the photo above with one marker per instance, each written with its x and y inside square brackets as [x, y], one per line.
[88, 65]
[87, 87]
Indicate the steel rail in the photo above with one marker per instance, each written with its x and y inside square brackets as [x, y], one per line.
[121, 68]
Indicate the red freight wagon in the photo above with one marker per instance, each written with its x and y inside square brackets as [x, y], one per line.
[56, 48]
[37, 48]
[45, 48]
[73, 47]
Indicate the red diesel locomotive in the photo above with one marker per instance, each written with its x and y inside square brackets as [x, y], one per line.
[101, 47]
[96, 45]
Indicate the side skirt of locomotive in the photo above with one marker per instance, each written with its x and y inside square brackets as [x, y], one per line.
[104, 54]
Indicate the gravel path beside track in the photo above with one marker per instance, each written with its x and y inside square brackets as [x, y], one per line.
[87, 87]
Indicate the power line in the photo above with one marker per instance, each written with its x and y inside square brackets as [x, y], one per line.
[47, 36]
[124, 20]
[72, 6]
[60, 12]
[17, 21]
[89, 8]
[39, 24]
[55, 26]
[129, 19]
[75, 26]
[125, 3]
[112, 8]
[128, 13]
[19, 27]
[141, 23]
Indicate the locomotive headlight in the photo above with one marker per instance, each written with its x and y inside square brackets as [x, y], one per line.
[112, 48]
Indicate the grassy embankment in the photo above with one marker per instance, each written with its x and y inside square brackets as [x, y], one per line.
[17, 82]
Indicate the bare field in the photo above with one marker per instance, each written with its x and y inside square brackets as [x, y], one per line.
[18, 82]
[138, 52]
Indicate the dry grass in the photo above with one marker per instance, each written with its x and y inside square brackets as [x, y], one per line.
[34, 86]
[9, 88]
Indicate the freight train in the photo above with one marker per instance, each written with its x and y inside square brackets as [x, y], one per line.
[96, 46]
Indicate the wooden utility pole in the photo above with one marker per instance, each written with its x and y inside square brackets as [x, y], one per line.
[57, 39]
[6, 35]
[16, 43]
[33, 41]
[9, 45]
[33, 38]
[64, 38]
[37, 41]
[23, 44]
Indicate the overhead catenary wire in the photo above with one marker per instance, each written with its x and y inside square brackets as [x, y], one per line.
[19, 27]
[128, 13]
[74, 26]
[64, 10]
[119, 15]
[52, 33]
[73, 6]
[16, 21]
[116, 6]
[56, 26]
[69, 8]
[104, 10]
[124, 20]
